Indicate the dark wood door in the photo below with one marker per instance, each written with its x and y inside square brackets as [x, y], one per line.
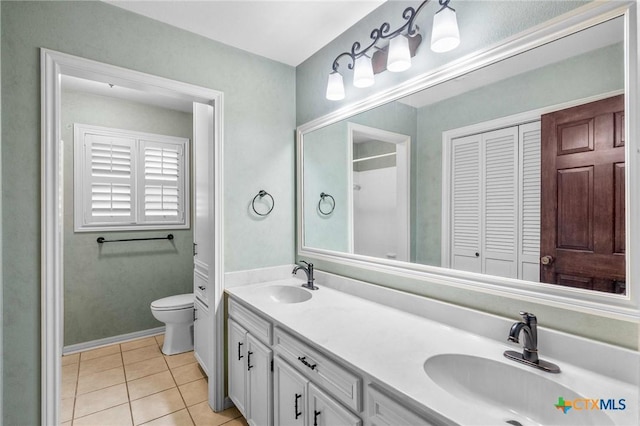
[582, 238]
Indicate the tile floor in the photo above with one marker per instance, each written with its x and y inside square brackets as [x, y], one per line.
[133, 383]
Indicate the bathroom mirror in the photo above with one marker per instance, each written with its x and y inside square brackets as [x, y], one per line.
[475, 156]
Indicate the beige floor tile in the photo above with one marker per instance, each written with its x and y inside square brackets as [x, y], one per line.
[70, 359]
[240, 421]
[194, 392]
[181, 359]
[160, 339]
[68, 389]
[100, 352]
[103, 379]
[66, 410]
[156, 405]
[139, 343]
[179, 418]
[66, 423]
[187, 373]
[119, 415]
[70, 372]
[141, 354]
[203, 415]
[149, 385]
[145, 368]
[97, 365]
[99, 400]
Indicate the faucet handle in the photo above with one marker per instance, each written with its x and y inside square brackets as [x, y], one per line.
[307, 263]
[527, 317]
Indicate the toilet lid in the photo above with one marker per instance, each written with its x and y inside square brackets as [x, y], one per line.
[179, 301]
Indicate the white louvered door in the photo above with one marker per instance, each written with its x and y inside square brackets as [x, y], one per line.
[500, 185]
[530, 168]
[466, 204]
[494, 211]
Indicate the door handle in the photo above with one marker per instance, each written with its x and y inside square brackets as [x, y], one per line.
[298, 396]
[546, 260]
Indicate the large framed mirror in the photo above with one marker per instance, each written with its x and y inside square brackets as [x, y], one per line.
[510, 169]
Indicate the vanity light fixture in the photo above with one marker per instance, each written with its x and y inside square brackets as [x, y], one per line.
[395, 57]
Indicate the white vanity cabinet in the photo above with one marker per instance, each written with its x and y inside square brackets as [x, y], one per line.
[201, 335]
[384, 411]
[250, 365]
[325, 411]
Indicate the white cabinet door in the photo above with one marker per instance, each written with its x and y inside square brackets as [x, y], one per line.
[324, 411]
[201, 335]
[237, 365]
[530, 166]
[290, 395]
[259, 383]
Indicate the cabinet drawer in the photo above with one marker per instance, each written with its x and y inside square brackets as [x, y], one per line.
[334, 378]
[200, 283]
[384, 411]
[254, 324]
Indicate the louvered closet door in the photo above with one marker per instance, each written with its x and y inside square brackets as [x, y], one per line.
[108, 179]
[500, 158]
[466, 204]
[529, 263]
[162, 182]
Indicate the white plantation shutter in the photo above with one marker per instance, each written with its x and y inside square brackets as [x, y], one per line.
[129, 180]
[162, 181]
[109, 190]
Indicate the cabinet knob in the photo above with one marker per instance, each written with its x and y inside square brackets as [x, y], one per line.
[477, 254]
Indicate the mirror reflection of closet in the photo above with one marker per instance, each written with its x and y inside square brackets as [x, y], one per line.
[379, 197]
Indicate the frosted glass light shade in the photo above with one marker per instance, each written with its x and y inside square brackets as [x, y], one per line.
[363, 72]
[335, 87]
[445, 35]
[399, 58]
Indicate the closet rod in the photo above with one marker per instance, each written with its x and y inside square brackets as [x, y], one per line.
[102, 240]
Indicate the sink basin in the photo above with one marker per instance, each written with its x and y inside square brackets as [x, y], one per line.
[285, 294]
[509, 393]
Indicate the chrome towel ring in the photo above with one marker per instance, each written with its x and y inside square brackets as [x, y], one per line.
[322, 198]
[262, 193]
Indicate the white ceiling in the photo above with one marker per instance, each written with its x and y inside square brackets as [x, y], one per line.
[285, 31]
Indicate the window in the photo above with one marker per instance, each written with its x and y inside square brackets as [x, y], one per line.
[128, 180]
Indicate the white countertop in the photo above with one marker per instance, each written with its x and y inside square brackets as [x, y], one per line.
[391, 346]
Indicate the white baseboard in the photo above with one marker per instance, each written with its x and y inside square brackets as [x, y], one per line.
[94, 344]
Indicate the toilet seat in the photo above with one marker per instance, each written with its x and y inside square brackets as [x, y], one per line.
[180, 301]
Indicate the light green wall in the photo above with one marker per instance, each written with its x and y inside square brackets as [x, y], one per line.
[108, 288]
[482, 24]
[259, 122]
[590, 74]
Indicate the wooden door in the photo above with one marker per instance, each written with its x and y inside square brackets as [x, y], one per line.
[583, 197]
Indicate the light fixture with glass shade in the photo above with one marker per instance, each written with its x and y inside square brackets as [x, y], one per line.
[396, 57]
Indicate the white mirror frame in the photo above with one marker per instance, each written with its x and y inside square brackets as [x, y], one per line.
[620, 307]
[53, 65]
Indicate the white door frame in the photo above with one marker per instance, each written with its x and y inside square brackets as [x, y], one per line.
[403, 163]
[53, 66]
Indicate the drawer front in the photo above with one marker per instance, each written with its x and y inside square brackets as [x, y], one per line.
[341, 383]
[200, 283]
[384, 411]
[254, 324]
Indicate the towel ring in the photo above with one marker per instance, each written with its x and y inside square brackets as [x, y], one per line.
[261, 194]
[333, 204]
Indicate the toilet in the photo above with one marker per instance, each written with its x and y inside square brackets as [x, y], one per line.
[177, 314]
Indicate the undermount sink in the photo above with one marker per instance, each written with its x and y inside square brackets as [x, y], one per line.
[508, 392]
[285, 294]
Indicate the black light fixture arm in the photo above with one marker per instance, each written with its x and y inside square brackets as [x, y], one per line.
[383, 33]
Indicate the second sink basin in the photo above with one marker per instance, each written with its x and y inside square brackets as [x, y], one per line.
[508, 392]
[285, 294]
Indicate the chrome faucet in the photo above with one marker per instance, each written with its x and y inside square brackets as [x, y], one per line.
[529, 355]
[309, 271]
